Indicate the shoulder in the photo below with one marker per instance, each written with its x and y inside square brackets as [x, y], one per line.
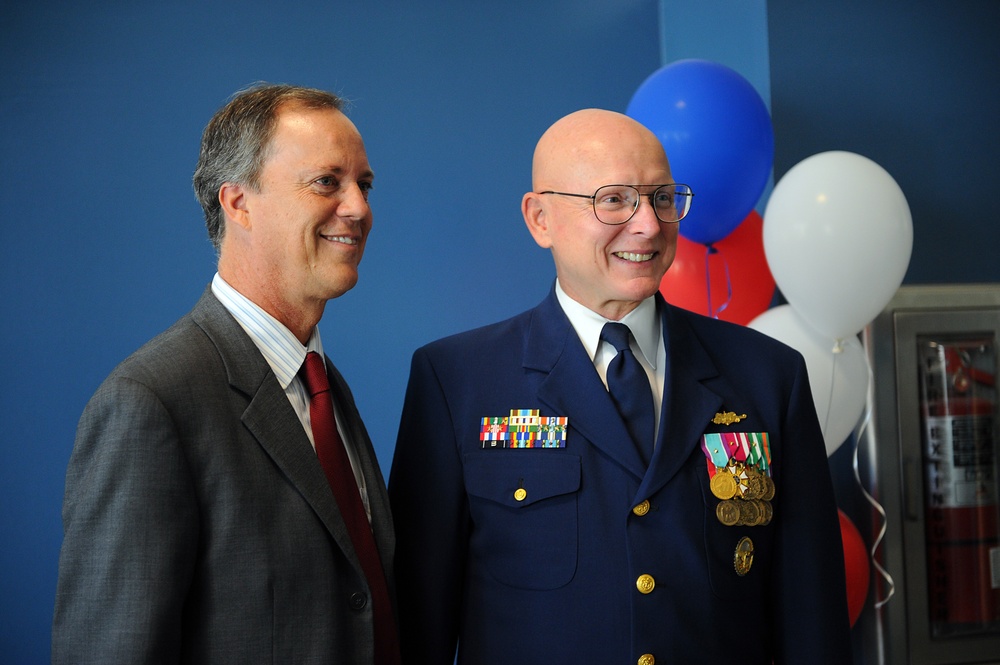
[502, 334]
[190, 352]
[730, 342]
[176, 350]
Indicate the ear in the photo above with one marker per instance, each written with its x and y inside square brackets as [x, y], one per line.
[233, 199]
[536, 219]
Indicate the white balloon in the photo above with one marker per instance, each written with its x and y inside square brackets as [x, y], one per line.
[838, 371]
[838, 236]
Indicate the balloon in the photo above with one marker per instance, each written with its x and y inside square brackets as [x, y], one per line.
[718, 137]
[741, 255]
[838, 371]
[838, 236]
[856, 567]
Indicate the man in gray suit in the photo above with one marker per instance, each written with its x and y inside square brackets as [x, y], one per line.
[200, 526]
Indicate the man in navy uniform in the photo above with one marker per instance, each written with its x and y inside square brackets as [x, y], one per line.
[606, 478]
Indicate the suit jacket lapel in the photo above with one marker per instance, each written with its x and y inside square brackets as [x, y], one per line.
[571, 386]
[270, 417]
[689, 399]
[378, 499]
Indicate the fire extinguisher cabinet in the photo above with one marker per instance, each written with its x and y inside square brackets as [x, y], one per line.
[931, 455]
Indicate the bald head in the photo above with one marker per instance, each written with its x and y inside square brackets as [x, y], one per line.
[609, 269]
[590, 143]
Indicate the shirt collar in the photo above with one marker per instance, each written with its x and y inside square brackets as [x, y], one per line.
[280, 348]
[642, 321]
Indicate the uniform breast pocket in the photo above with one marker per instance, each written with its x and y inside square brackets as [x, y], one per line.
[523, 505]
[738, 555]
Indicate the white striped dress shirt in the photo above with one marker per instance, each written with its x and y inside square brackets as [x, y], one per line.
[285, 354]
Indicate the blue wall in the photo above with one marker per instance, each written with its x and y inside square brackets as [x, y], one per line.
[102, 244]
[915, 86]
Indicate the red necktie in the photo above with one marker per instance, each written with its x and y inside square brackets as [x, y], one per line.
[337, 466]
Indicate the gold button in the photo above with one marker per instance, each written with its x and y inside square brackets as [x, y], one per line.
[646, 659]
[645, 583]
[642, 508]
[520, 494]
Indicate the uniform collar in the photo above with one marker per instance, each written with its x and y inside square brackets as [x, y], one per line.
[642, 321]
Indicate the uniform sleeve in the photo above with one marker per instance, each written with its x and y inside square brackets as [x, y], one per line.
[130, 534]
[430, 510]
[810, 603]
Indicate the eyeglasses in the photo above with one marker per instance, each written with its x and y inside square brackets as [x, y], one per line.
[616, 204]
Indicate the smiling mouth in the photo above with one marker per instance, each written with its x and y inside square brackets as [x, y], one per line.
[632, 257]
[347, 240]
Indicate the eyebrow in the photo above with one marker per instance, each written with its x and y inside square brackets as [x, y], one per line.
[339, 171]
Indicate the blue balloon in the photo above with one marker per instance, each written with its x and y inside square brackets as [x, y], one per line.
[718, 137]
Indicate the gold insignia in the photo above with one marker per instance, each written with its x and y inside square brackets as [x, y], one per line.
[743, 558]
[727, 418]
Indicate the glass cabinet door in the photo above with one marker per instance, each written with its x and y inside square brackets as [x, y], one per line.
[958, 412]
[931, 459]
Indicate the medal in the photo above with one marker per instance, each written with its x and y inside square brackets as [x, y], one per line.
[728, 512]
[723, 485]
[767, 512]
[749, 513]
[743, 557]
[768, 489]
[755, 484]
[739, 472]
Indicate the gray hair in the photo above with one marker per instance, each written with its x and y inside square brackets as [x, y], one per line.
[236, 142]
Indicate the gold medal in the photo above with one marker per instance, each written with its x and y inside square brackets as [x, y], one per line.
[723, 485]
[768, 488]
[728, 512]
[749, 513]
[767, 512]
[743, 558]
[755, 484]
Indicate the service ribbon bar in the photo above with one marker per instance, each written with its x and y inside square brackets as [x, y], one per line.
[524, 428]
[493, 433]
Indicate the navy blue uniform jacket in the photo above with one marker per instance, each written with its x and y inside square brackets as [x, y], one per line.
[552, 578]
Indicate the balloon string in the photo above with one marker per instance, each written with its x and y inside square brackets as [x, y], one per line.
[865, 421]
[709, 251]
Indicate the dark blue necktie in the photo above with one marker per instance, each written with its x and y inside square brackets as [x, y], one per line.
[629, 388]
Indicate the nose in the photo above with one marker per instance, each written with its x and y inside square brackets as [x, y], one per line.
[354, 203]
[644, 220]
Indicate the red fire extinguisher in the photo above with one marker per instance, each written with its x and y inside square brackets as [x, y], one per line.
[962, 502]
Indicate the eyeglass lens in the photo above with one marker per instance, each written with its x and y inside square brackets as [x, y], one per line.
[615, 204]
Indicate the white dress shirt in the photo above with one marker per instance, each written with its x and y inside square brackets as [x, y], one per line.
[646, 342]
[285, 354]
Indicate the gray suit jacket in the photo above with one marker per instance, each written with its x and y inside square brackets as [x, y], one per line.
[199, 526]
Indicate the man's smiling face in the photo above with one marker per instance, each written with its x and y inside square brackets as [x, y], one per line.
[309, 218]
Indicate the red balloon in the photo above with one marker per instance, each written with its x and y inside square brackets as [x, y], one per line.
[856, 567]
[686, 283]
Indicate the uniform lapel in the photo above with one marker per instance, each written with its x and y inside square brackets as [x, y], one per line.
[690, 399]
[572, 388]
[270, 418]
